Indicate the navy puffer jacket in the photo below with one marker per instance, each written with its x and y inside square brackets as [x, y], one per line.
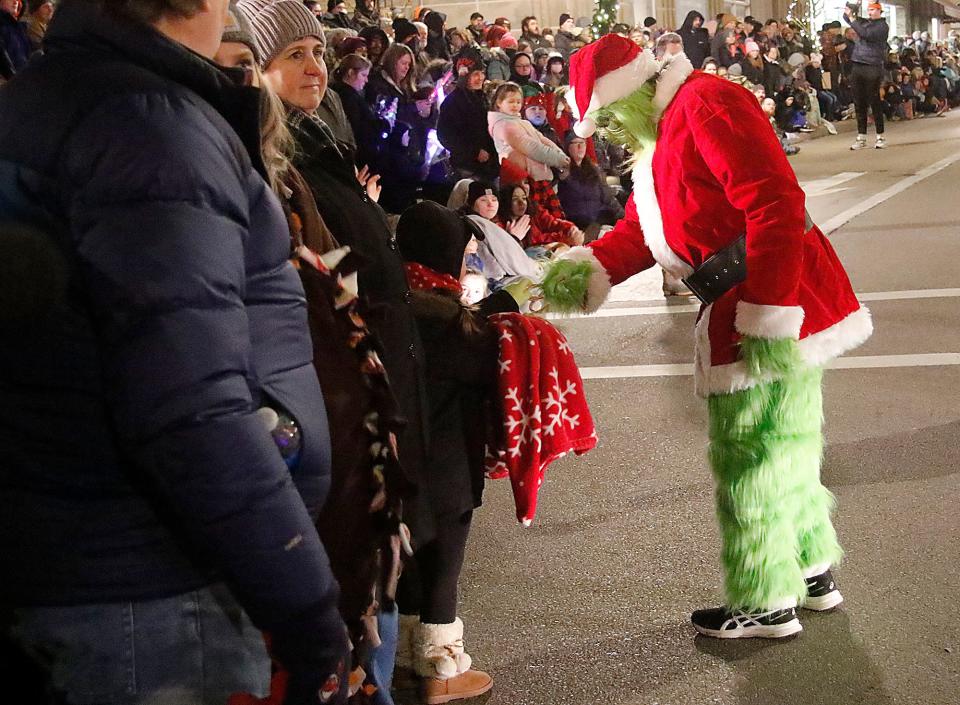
[871, 46]
[134, 464]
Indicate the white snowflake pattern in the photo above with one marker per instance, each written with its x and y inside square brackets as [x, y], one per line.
[522, 427]
[505, 365]
[564, 346]
[506, 335]
[555, 403]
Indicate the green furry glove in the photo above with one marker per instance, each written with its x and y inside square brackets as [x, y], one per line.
[768, 357]
[565, 285]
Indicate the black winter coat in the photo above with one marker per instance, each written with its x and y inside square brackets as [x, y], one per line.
[462, 129]
[696, 40]
[134, 463]
[368, 128]
[358, 222]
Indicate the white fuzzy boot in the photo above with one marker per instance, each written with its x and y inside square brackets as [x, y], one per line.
[438, 650]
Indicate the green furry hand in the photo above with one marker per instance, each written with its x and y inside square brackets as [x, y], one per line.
[565, 285]
[766, 357]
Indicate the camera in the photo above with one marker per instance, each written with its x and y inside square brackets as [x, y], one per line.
[854, 8]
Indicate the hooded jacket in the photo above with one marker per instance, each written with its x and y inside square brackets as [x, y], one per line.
[521, 143]
[153, 474]
[696, 40]
[461, 355]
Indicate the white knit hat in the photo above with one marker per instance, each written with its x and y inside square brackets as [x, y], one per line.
[279, 23]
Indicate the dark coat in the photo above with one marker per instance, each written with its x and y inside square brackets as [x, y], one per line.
[461, 361]
[752, 73]
[361, 224]
[871, 47]
[15, 43]
[588, 200]
[368, 128]
[380, 91]
[153, 472]
[696, 40]
[462, 129]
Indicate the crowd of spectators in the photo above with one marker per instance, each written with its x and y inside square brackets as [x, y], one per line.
[418, 176]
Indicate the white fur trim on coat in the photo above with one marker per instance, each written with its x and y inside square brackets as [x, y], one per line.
[763, 321]
[651, 220]
[615, 85]
[816, 350]
[598, 288]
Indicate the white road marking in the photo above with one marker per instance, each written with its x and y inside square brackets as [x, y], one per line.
[822, 187]
[846, 216]
[842, 363]
[693, 308]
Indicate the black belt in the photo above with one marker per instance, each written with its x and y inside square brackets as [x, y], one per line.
[720, 272]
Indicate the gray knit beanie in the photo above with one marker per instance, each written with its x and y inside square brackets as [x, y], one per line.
[279, 23]
[239, 30]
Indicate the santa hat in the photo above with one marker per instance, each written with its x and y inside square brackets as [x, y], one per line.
[603, 72]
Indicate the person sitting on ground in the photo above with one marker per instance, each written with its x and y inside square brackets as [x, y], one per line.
[731, 51]
[752, 63]
[769, 107]
[501, 256]
[583, 191]
[542, 230]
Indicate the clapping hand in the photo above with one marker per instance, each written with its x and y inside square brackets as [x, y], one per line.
[519, 227]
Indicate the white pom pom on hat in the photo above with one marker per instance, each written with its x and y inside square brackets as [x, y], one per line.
[603, 72]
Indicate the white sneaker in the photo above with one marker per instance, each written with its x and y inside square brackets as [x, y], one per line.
[830, 128]
[881, 143]
[861, 143]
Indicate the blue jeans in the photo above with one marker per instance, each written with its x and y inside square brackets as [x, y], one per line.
[196, 648]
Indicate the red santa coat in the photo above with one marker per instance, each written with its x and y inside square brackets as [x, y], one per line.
[718, 171]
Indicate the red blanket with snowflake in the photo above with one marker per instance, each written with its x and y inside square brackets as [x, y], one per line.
[545, 413]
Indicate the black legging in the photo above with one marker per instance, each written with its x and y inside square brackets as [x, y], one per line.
[865, 83]
[428, 585]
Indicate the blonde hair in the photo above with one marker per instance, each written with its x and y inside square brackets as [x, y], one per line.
[277, 145]
[502, 91]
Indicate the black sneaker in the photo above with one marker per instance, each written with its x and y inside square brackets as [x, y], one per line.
[822, 593]
[721, 623]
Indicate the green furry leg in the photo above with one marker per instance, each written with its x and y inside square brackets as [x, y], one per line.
[774, 515]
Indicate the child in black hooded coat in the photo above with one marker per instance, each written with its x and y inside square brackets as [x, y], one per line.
[461, 351]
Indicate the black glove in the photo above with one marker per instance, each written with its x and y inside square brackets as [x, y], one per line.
[315, 650]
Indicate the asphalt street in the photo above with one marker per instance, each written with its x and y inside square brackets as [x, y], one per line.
[591, 604]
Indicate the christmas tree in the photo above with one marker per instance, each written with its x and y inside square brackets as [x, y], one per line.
[604, 16]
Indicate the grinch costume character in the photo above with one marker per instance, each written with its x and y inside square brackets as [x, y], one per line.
[716, 203]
